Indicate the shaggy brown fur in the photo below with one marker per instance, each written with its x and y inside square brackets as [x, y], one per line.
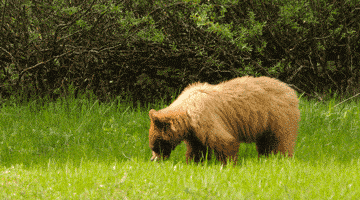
[219, 117]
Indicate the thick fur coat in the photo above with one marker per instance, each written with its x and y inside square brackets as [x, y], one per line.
[219, 117]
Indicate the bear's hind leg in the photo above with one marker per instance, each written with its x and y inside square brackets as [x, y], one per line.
[267, 143]
[286, 145]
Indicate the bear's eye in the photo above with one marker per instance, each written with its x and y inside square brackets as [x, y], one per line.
[160, 145]
[161, 125]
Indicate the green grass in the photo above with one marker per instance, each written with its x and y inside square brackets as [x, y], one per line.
[83, 149]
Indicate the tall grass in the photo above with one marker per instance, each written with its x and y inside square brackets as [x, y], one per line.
[71, 129]
[84, 149]
[328, 132]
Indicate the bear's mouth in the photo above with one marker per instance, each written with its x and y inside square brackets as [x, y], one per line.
[156, 156]
[161, 149]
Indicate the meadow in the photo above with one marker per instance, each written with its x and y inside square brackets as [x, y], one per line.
[84, 149]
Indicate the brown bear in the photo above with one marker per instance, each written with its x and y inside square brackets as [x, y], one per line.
[219, 117]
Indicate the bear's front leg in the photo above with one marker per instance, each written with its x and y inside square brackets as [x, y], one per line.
[227, 152]
[196, 151]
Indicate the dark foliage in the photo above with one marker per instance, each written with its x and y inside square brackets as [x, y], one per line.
[148, 49]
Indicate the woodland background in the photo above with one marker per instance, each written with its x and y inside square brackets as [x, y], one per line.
[146, 49]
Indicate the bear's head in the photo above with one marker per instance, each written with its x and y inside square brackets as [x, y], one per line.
[166, 132]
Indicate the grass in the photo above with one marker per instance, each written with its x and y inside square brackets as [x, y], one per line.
[83, 149]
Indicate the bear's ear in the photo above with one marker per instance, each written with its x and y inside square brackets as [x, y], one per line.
[165, 121]
[152, 113]
[159, 122]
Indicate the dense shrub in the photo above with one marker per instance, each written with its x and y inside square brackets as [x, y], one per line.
[146, 49]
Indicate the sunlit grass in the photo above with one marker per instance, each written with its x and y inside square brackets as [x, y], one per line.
[84, 149]
[72, 129]
[329, 132]
[265, 179]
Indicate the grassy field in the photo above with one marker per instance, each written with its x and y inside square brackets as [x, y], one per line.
[82, 149]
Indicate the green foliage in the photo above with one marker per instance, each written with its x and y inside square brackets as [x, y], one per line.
[251, 30]
[108, 46]
[239, 35]
[295, 11]
[279, 67]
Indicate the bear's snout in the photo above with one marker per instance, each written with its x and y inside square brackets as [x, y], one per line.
[154, 157]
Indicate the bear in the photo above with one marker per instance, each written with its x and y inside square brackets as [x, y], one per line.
[219, 117]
